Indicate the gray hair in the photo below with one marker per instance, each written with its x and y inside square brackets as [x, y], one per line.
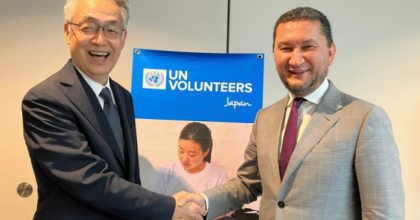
[123, 4]
[306, 13]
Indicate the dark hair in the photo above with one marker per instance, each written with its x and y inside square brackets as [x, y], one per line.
[306, 13]
[199, 133]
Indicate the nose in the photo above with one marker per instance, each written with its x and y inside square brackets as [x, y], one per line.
[183, 158]
[296, 58]
[99, 38]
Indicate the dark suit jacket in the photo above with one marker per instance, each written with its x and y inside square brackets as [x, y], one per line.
[77, 164]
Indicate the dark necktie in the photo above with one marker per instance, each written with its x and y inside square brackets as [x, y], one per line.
[290, 136]
[111, 113]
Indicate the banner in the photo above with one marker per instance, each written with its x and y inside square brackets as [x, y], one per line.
[193, 109]
[197, 86]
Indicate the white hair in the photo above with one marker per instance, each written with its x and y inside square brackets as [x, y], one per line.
[123, 4]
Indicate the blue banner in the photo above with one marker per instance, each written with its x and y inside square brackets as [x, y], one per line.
[197, 86]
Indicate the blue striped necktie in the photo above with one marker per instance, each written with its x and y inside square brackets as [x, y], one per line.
[111, 113]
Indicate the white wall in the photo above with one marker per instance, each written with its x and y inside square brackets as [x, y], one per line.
[377, 45]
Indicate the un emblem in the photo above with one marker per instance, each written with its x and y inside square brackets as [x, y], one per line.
[154, 78]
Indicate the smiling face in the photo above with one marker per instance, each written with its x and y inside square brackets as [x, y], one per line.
[191, 156]
[95, 55]
[302, 56]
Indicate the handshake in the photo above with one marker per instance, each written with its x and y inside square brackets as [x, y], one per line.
[189, 206]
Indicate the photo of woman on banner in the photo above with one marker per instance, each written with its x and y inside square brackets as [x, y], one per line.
[193, 172]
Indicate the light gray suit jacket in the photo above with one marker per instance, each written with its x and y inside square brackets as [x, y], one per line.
[345, 166]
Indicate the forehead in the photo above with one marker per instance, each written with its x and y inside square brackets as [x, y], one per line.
[100, 10]
[189, 145]
[299, 30]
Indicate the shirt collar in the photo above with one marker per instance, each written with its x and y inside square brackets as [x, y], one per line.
[316, 96]
[96, 87]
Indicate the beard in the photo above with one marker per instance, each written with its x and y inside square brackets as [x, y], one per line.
[306, 87]
[300, 90]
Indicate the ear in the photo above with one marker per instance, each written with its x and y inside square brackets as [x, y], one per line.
[123, 38]
[67, 32]
[331, 52]
[206, 152]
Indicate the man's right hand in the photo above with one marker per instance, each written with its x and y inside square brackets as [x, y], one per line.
[189, 206]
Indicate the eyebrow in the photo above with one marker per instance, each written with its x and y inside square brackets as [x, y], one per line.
[309, 41]
[189, 152]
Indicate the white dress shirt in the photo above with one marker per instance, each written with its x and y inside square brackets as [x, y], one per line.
[305, 110]
[97, 87]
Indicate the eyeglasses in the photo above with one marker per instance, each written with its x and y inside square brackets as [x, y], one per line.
[90, 28]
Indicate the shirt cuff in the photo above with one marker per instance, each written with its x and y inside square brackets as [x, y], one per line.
[207, 201]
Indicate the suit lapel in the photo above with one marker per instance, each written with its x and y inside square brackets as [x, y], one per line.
[122, 110]
[275, 125]
[321, 122]
[83, 97]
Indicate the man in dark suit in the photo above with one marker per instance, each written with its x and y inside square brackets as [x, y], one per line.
[86, 165]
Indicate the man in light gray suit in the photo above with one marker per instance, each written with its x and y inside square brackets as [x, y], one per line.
[345, 164]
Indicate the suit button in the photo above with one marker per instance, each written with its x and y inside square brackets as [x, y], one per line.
[281, 204]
